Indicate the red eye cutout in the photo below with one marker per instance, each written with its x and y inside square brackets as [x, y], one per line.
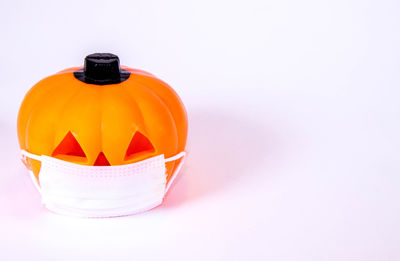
[69, 146]
[139, 145]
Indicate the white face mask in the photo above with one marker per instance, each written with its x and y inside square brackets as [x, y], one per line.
[102, 191]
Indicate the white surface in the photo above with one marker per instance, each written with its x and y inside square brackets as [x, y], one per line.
[294, 128]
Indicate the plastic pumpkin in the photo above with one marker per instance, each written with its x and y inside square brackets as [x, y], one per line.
[102, 114]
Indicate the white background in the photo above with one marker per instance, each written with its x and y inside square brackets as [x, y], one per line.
[294, 127]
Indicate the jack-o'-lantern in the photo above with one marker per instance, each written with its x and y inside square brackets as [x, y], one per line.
[102, 115]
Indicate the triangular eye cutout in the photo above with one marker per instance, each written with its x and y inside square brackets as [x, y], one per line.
[139, 144]
[69, 146]
[101, 160]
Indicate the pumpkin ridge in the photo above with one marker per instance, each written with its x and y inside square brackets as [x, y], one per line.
[133, 100]
[43, 102]
[161, 100]
[28, 108]
[163, 85]
[156, 97]
[130, 116]
[153, 93]
[60, 111]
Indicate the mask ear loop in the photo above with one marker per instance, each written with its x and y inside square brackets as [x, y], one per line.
[173, 158]
[26, 154]
[31, 156]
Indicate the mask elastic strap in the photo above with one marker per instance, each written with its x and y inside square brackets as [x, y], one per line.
[39, 158]
[30, 155]
[173, 158]
[35, 157]
[176, 157]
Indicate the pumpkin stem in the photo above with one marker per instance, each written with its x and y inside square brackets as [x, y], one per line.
[102, 69]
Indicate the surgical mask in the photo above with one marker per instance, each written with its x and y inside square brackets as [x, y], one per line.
[102, 191]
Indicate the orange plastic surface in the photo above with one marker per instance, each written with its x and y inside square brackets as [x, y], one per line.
[113, 124]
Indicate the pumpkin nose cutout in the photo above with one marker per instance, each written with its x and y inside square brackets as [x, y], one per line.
[101, 160]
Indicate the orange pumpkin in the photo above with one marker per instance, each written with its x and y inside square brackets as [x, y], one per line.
[98, 121]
